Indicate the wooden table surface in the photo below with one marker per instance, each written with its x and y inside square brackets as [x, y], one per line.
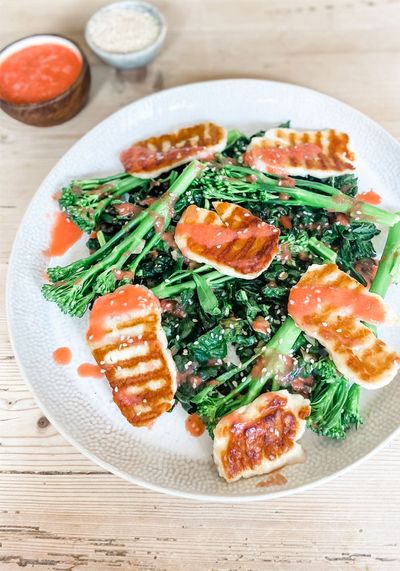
[57, 509]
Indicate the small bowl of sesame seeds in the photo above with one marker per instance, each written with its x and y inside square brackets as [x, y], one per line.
[126, 34]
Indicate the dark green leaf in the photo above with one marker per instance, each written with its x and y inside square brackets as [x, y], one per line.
[211, 345]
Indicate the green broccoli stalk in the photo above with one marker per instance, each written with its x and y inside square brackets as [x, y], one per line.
[242, 184]
[186, 279]
[84, 201]
[211, 404]
[79, 283]
[320, 249]
[389, 265]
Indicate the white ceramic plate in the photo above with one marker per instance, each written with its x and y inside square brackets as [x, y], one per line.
[167, 458]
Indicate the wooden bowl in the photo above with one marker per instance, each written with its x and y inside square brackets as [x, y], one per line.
[57, 109]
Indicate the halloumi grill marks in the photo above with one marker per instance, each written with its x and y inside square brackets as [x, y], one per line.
[262, 436]
[151, 157]
[330, 305]
[300, 153]
[232, 240]
[128, 342]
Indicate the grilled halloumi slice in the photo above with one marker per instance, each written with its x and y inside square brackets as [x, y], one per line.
[151, 157]
[284, 151]
[128, 342]
[231, 239]
[262, 436]
[329, 305]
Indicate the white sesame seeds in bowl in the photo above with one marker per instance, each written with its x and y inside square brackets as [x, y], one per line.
[127, 34]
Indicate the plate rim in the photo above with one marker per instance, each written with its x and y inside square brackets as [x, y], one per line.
[226, 499]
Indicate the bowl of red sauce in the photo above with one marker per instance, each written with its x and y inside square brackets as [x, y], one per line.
[44, 79]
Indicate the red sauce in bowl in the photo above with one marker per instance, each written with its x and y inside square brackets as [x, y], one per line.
[38, 73]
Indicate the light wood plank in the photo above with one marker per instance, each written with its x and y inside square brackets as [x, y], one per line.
[333, 527]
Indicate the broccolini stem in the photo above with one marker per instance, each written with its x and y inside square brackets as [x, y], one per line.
[152, 243]
[121, 187]
[341, 203]
[231, 182]
[162, 208]
[322, 250]
[213, 278]
[388, 264]
[281, 343]
[74, 295]
[90, 183]
[225, 377]
[182, 274]
[273, 180]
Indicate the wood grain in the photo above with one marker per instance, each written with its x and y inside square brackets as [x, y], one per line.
[57, 509]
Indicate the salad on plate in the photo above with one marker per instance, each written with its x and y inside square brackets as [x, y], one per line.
[236, 277]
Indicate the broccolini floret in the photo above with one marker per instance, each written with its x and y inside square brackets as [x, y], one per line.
[84, 201]
[335, 404]
[78, 284]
